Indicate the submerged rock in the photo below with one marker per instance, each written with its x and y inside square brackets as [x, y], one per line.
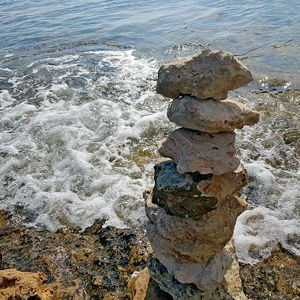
[211, 115]
[195, 151]
[210, 74]
[189, 240]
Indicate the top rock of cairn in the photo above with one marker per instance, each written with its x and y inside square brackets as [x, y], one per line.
[210, 74]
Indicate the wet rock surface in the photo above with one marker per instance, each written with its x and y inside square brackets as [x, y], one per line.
[178, 193]
[277, 277]
[211, 115]
[99, 263]
[210, 74]
[206, 153]
[94, 264]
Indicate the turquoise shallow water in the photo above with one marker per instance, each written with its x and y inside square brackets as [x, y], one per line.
[79, 116]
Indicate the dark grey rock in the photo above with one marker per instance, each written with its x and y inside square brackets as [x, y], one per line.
[178, 194]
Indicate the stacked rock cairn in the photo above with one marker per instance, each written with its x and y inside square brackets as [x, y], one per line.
[193, 207]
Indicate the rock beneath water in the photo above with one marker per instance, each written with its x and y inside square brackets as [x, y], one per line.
[207, 276]
[189, 240]
[206, 153]
[223, 186]
[211, 115]
[180, 291]
[178, 193]
[24, 285]
[210, 74]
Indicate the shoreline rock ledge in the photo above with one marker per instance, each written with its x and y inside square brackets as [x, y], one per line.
[193, 207]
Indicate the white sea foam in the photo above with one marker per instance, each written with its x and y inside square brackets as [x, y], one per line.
[71, 163]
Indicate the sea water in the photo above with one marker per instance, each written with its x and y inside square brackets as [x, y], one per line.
[79, 116]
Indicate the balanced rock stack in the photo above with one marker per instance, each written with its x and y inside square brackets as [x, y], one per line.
[193, 206]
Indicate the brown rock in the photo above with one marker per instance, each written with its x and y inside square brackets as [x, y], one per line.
[24, 285]
[276, 278]
[210, 74]
[232, 280]
[195, 151]
[223, 186]
[138, 285]
[192, 241]
[211, 115]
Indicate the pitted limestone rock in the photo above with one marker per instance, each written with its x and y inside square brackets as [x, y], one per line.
[206, 153]
[210, 74]
[211, 115]
[192, 241]
[225, 185]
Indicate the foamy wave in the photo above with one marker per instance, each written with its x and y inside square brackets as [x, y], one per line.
[72, 162]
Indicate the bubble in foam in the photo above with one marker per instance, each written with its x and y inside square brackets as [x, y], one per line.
[259, 231]
[70, 162]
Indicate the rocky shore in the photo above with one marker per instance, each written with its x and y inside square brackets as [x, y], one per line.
[187, 252]
[106, 263]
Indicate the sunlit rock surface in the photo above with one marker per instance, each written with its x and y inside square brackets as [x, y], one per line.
[100, 262]
[191, 241]
[195, 151]
[210, 74]
[16, 285]
[211, 115]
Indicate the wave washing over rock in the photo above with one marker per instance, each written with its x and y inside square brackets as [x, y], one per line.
[76, 145]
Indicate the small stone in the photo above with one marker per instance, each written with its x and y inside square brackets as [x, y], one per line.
[189, 240]
[206, 153]
[178, 193]
[224, 186]
[138, 285]
[211, 115]
[210, 74]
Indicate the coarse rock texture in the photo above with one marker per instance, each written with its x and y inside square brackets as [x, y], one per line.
[206, 153]
[101, 261]
[180, 291]
[178, 193]
[223, 186]
[206, 276]
[17, 285]
[211, 115]
[191, 241]
[232, 280]
[138, 284]
[94, 264]
[276, 278]
[210, 74]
